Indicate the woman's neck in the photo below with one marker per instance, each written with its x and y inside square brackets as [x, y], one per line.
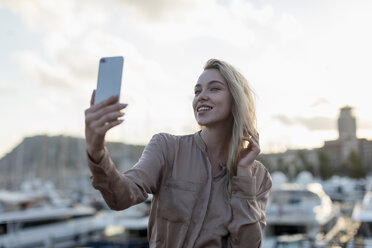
[217, 141]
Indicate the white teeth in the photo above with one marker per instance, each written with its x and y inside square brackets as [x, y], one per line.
[204, 108]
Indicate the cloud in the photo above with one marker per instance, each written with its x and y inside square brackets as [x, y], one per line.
[289, 28]
[320, 101]
[205, 21]
[9, 89]
[41, 71]
[75, 34]
[66, 63]
[317, 123]
[69, 16]
[246, 11]
[173, 11]
[160, 9]
[283, 119]
[68, 57]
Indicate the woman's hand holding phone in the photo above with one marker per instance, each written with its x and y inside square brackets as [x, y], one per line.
[99, 119]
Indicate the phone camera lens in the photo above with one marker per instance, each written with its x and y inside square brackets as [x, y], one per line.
[103, 60]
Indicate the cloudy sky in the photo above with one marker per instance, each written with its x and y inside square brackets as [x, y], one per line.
[304, 59]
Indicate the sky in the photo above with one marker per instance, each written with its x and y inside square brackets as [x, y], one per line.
[304, 59]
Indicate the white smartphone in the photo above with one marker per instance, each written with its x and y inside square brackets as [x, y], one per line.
[109, 78]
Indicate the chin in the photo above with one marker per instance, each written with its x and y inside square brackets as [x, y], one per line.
[202, 122]
[205, 123]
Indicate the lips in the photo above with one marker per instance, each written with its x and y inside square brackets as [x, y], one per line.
[203, 108]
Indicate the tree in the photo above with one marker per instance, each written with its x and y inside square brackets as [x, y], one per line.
[355, 168]
[301, 155]
[281, 166]
[325, 168]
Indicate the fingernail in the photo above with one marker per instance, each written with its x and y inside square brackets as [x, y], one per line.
[124, 105]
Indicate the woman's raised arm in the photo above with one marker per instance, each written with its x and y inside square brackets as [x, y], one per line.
[98, 120]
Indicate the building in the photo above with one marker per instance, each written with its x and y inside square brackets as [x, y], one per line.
[347, 142]
[338, 151]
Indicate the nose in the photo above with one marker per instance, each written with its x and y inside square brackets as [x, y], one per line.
[203, 95]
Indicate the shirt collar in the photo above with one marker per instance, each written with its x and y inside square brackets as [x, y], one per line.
[199, 141]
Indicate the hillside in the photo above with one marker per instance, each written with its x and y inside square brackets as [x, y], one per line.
[60, 159]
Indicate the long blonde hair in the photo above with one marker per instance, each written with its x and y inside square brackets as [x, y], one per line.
[243, 111]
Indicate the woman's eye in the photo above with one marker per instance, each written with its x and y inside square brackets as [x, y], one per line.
[197, 92]
[215, 89]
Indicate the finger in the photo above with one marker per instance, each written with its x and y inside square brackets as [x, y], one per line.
[250, 139]
[97, 107]
[252, 143]
[98, 114]
[109, 101]
[107, 119]
[92, 98]
[255, 136]
[107, 127]
[111, 108]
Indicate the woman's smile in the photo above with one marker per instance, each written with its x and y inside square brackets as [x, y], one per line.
[204, 108]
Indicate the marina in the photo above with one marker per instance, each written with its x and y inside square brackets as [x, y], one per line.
[70, 226]
[304, 215]
[362, 215]
[298, 215]
[300, 211]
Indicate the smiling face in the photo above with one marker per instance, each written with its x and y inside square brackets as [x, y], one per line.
[212, 101]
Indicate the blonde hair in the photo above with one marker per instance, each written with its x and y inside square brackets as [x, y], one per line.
[243, 111]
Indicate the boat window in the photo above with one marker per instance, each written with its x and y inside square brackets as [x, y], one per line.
[288, 229]
[365, 229]
[51, 221]
[3, 229]
[41, 222]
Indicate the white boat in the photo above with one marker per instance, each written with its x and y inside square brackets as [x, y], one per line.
[362, 216]
[345, 190]
[17, 200]
[301, 213]
[48, 227]
[127, 228]
[29, 220]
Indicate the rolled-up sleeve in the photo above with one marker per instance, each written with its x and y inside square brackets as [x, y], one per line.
[122, 190]
[248, 202]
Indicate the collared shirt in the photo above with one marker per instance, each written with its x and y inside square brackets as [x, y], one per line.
[190, 206]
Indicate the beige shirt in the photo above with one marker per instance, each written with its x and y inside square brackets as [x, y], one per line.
[190, 207]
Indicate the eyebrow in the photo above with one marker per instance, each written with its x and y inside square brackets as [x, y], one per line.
[211, 82]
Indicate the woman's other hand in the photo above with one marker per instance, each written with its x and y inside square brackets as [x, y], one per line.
[98, 120]
[248, 155]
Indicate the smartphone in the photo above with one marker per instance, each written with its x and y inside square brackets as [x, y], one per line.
[109, 78]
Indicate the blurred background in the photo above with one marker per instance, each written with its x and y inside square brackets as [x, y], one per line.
[309, 63]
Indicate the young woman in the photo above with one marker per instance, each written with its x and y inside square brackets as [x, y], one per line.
[208, 189]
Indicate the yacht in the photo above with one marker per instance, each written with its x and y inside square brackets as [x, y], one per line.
[48, 227]
[345, 190]
[127, 228]
[299, 214]
[362, 217]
